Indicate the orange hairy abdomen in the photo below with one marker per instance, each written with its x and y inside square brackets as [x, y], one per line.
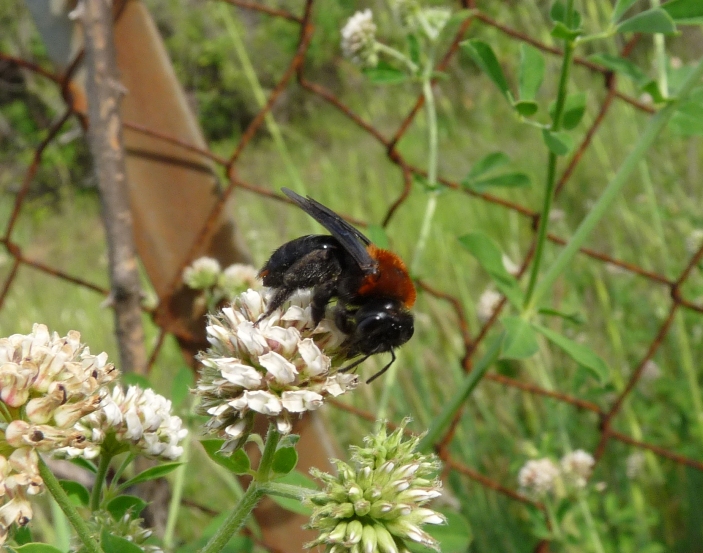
[391, 280]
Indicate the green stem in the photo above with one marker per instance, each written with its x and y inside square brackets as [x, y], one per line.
[55, 489]
[551, 169]
[598, 211]
[471, 380]
[257, 488]
[287, 490]
[660, 56]
[236, 519]
[395, 54]
[176, 495]
[263, 473]
[432, 145]
[103, 467]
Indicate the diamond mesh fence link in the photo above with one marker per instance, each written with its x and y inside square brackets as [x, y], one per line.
[471, 338]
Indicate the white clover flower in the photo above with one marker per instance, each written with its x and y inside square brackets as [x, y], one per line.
[577, 467]
[236, 279]
[47, 383]
[202, 273]
[377, 504]
[487, 304]
[139, 421]
[278, 367]
[359, 39]
[538, 477]
[433, 20]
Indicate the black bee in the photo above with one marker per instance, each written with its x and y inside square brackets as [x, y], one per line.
[373, 288]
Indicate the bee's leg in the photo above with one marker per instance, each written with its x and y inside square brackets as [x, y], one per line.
[280, 296]
[355, 364]
[384, 369]
[321, 296]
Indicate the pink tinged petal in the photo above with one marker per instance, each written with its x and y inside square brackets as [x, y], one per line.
[299, 401]
[14, 433]
[316, 362]
[238, 373]
[279, 367]
[340, 383]
[252, 303]
[297, 314]
[251, 339]
[282, 340]
[263, 402]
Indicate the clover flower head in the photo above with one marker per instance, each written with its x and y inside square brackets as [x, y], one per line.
[407, 11]
[238, 278]
[128, 526]
[278, 366]
[577, 467]
[139, 421]
[378, 503]
[202, 273]
[359, 39]
[538, 477]
[47, 383]
[433, 20]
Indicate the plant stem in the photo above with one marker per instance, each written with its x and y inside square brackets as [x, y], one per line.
[103, 467]
[431, 168]
[176, 495]
[395, 54]
[287, 490]
[551, 167]
[598, 211]
[263, 473]
[236, 519]
[55, 489]
[471, 380]
[257, 488]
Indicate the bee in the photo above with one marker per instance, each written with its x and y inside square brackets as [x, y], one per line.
[372, 286]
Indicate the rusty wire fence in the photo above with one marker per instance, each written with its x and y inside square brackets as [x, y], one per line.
[471, 337]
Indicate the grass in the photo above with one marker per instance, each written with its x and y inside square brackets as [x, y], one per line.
[346, 169]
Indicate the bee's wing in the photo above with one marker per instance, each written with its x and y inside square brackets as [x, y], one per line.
[351, 239]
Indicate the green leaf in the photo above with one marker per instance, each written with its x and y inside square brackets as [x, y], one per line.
[289, 440]
[84, 464]
[580, 353]
[378, 236]
[684, 11]
[37, 548]
[238, 462]
[488, 163]
[655, 20]
[384, 73]
[77, 493]
[489, 256]
[652, 88]
[485, 58]
[575, 317]
[557, 13]
[284, 460]
[688, 119]
[561, 32]
[110, 543]
[120, 505]
[507, 180]
[622, 66]
[531, 72]
[295, 478]
[182, 384]
[574, 108]
[559, 143]
[133, 379]
[22, 536]
[453, 537]
[526, 108]
[621, 6]
[414, 49]
[520, 340]
[151, 474]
